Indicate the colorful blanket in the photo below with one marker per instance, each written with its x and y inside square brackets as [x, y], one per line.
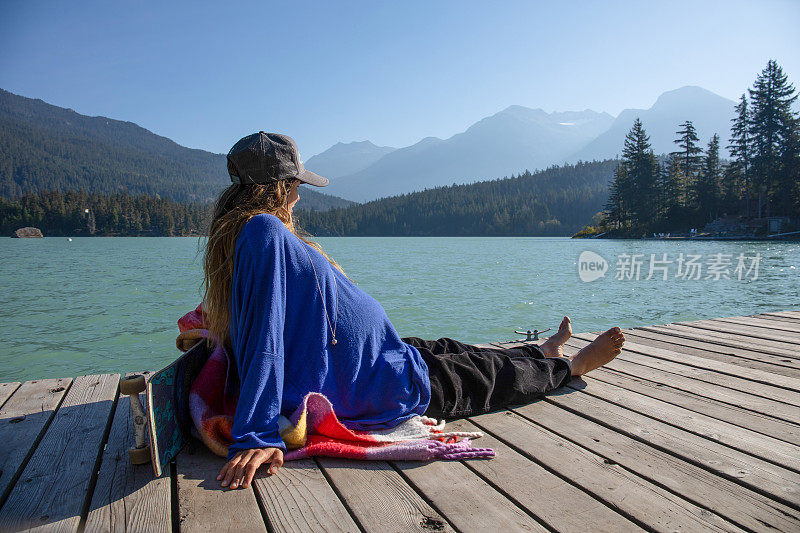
[314, 428]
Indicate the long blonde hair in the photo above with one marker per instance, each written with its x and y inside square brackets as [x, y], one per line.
[235, 206]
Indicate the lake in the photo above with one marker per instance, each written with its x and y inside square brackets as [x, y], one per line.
[100, 305]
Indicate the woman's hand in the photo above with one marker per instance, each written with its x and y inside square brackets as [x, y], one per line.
[244, 464]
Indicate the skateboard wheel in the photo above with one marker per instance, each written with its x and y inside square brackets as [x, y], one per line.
[140, 456]
[132, 385]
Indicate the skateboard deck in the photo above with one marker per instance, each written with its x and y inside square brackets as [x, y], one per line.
[169, 423]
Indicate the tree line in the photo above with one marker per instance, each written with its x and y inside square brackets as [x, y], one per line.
[83, 214]
[693, 186]
[553, 202]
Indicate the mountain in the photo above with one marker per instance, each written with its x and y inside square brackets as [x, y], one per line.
[515, 139]
[45, 147]
[709, 112]
[556, 201]
[342, 159]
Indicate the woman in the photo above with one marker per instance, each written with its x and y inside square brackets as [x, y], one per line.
[295, 323]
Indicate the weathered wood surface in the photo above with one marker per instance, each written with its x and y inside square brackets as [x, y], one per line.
[127, 497]
[694, 427]
[51, 492]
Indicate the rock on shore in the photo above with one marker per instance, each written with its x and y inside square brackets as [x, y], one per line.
[28, 233]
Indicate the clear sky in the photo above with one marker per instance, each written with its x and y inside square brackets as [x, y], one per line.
[207, 73]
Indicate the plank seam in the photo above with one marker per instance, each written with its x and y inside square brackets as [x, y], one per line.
[793, 505]
[97, 463]
[24, 463]
[690, 365]
[174, 506]
[558, 474]
[262, 509]
[748, 335]
[643, 362]
[339, 495]
[713, 340]
[12, 394]
[774, 462]
[423, 496]
[511, 498]
[598, 377]
[637, 474]
[633, 333]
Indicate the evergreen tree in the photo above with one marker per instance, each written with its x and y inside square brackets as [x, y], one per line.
[642, 168]
[771, 127]
[689, 159]
[741, 152]
[616, 214]
[633, 196]
[709, 183]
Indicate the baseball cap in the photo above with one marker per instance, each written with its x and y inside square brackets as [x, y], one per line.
[268, 157]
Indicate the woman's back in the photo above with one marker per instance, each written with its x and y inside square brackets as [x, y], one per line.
[281, 340]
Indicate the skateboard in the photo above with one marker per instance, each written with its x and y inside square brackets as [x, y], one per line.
[164, 418]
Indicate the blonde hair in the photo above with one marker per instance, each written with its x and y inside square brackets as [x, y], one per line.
[235, 206]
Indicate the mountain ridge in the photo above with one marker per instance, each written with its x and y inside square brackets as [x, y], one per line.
[46, 147]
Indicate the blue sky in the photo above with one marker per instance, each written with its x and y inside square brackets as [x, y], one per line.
[207, 73]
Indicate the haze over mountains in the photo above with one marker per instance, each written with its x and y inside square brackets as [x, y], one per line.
[49, 148]
[45, 147]
[512, 141]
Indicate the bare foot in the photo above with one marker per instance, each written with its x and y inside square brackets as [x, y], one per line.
[552, 347]
[603, 349]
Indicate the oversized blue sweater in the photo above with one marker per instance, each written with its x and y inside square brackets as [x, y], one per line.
[281, 341]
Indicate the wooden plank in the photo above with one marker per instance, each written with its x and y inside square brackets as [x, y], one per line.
[203, 502]
[761, 476]
[127, 497]
[759, 376]
[789, 341]
[298, 498]
[763, 324]
[6, 390]
[466, 500]
[788, 397]
[379, 498]
[733, 414]
[23, 420]
[766, 447]
[614, 485]
[776, 318]
[744, 507]
[541, 492]
[52, 490]
[736, 356]
[783, 315]
[725, 339]
[717, 392]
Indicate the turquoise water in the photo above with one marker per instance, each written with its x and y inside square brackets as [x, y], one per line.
[97, 305]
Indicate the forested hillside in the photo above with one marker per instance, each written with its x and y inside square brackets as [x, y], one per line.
[83, 214]
[45, 148]
[556, 201]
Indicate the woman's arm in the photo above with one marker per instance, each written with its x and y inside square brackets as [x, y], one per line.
[258, 305]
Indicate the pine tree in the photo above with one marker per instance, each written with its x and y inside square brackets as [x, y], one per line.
[615, 208]
[709, 183]
[771, 127]
[740, 146]
[689, 158]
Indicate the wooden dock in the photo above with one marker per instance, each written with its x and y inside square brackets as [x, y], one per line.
[694, 427]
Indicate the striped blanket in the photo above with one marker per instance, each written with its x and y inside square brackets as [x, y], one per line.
[313, 428]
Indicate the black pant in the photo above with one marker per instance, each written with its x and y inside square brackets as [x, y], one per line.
[467, 380]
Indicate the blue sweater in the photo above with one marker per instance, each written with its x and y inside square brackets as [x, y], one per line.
[281, 342]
